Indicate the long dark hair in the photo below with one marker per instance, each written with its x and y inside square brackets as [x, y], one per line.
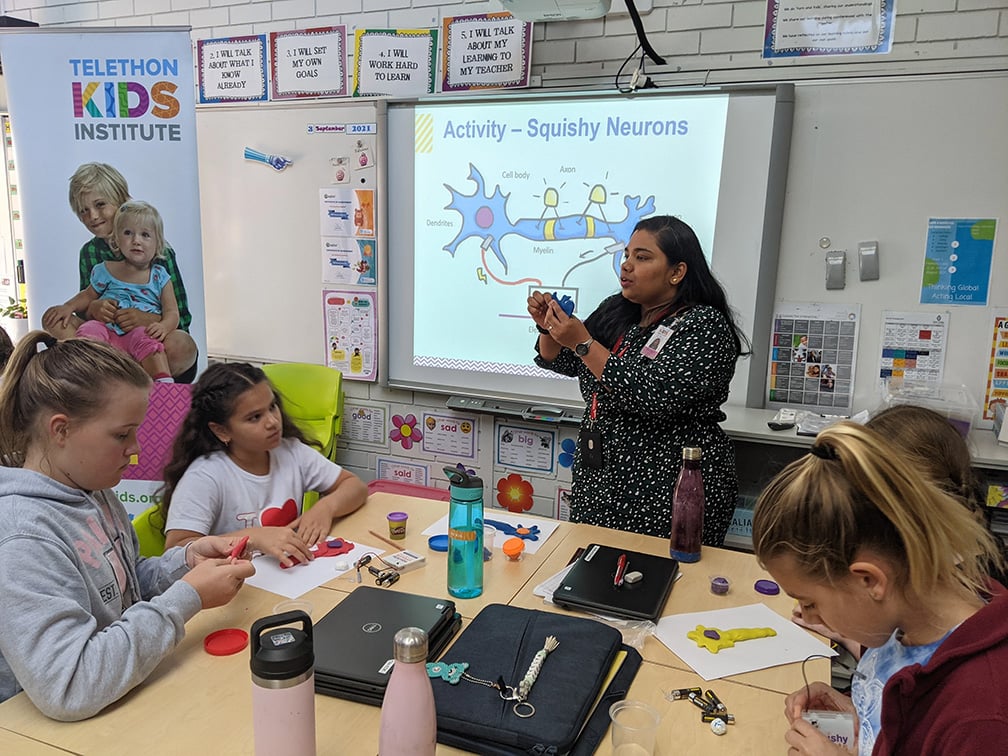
[678, 243]
[214, 397]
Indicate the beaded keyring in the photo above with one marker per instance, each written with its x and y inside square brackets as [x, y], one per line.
[452, 673]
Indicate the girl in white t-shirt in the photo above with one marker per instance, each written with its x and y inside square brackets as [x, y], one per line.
[241, 467]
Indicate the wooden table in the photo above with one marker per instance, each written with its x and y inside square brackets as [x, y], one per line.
[690, 594]
[197, 703]
[502, 578]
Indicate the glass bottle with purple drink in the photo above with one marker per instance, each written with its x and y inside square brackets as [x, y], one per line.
[687, 509]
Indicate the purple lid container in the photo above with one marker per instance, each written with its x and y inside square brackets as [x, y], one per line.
[398, 516]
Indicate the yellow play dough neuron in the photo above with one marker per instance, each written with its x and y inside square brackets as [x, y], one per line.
[714, 639]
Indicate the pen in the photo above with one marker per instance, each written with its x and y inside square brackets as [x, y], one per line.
[621, 565]
[239, 547]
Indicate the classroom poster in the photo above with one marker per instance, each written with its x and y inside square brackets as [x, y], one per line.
[957, 261]
[398, 62]
[485, 50]
[232, 69]
[308, 63]
[351, 333]
[997, 371]
[813, 350]
[913, 348]
[365, 423]
[525, 448]
[801, 28]
[124, 98]
[390, 468]
[453, 435]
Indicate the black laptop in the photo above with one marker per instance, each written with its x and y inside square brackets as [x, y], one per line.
[354, 641]
[590, 583]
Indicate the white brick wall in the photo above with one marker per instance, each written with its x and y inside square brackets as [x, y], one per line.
[719, 40]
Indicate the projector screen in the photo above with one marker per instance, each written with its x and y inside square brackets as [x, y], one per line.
[490, 199]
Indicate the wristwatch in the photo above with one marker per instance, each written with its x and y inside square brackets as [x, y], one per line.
[582, 349]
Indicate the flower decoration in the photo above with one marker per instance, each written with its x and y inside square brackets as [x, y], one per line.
[405, 431]
[514, 493]
[567, 449]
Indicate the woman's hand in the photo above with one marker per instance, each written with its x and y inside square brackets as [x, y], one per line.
[805, 739]
[283, 543]
[817, 695]
[538, 307]
[565, 329]
[218, 580]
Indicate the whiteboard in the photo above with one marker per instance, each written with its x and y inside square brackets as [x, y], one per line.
[872, 161]
[262, 257]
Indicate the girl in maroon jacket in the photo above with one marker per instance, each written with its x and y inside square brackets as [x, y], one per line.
[874, 551]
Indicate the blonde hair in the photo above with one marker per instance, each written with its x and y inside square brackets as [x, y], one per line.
[856, 491]
[100, 178]
[144, 213]
[43, 375]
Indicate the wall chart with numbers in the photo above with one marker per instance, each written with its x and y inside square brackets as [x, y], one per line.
[813, 348]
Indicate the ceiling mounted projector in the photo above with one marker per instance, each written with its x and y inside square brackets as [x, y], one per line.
[556, 10]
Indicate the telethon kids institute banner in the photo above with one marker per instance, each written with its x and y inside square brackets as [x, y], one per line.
[125, 98]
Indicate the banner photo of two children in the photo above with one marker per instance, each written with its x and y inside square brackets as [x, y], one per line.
[104, 140]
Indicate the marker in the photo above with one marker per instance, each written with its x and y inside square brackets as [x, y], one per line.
[621, 565]
[239, 547]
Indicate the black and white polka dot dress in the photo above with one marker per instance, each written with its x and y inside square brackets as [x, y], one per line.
[647, 411]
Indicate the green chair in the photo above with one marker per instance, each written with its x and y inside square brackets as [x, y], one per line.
[312, 397]
[149, 529]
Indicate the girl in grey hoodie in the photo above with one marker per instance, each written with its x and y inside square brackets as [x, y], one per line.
[85, 617]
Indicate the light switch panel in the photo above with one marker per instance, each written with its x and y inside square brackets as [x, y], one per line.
[868, 260]
[836, 264]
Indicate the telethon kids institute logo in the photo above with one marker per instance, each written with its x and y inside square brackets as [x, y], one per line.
[125, 99]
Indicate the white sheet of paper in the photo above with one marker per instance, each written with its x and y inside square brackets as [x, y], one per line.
[298, 580]
[791, 644]
[546, 528]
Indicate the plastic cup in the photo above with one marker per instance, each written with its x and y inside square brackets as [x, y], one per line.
[634, 728]
[489, 536]
[397, 525]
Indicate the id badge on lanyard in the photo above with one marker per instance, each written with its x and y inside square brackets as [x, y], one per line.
[590, 438]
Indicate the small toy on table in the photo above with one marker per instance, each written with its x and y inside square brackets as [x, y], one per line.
[714, 639]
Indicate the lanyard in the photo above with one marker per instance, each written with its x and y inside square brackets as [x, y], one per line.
[593, 411]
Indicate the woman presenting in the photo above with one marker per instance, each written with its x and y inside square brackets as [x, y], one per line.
[654, 363]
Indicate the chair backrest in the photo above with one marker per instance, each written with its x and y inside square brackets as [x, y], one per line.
[148, 525]
[312, 397]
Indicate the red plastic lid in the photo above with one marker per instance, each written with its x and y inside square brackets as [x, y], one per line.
[225, 642]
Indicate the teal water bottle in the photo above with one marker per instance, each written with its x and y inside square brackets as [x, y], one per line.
[465, 534]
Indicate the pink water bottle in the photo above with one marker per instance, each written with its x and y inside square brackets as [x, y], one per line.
[283, 685]
[408, 717]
